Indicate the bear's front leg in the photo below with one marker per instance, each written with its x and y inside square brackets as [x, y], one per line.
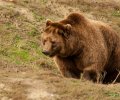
[67, 67]
[94, 75]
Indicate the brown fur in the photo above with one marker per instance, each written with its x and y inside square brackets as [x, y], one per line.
[83, 46]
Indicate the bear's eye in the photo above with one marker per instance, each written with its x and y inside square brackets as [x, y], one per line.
[61, 32]
[53, 42]
[43, 42]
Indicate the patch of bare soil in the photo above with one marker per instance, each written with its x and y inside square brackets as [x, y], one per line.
[19, 83]
[26, 83]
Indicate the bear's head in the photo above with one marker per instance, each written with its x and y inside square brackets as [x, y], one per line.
[54, 37]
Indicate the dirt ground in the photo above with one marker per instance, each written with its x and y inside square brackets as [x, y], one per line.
[21, 83]
[26, 74]
[24, 83]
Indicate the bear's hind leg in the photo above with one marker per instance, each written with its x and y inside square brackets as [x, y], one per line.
[89, 75]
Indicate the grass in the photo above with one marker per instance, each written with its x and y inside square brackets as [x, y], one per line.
[19, 43]
[116, 13]
[112, 94]
[38, 17]
[33, 32]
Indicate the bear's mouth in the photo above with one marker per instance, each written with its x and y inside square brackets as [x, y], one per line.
[51, 55]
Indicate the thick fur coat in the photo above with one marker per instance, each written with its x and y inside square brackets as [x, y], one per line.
[80, 45]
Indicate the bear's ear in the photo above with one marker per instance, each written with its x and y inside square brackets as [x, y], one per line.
[66, 31]
[68, 27]
[48, 22]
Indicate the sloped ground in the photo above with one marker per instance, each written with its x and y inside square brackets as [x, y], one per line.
[25, 73]
[24, 83]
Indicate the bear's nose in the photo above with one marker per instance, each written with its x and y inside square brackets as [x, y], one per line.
[45, 52]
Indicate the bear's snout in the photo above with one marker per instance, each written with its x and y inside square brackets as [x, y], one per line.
[46, 53]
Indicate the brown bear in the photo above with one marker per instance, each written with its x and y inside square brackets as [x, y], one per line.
[81, 45]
